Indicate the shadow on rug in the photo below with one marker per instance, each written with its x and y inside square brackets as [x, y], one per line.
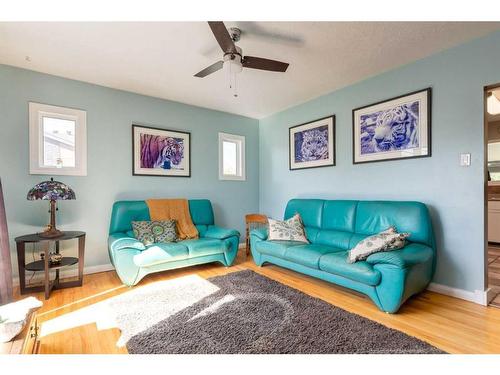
[249, 313]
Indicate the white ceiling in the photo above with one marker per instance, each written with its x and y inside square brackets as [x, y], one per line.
[159, 59]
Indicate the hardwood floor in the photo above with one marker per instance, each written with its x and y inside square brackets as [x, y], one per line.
[494, 272]
[451, 324]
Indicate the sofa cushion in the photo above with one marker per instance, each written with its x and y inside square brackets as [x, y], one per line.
[124, 212]
[287, 230]
[150, 232]
[202, 229]
[201, 212]
[387, 240]
[413, 217]
[339, 215]
[333, 238]
[275, 248]
[308, 255]
[205, 246]
[219, 233]
[161, 253]
[310, 211]
[142, 231]
[336, 263]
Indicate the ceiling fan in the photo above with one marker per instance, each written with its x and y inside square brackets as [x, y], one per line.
[233, 59]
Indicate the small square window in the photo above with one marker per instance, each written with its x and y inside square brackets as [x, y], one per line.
[231, 157]
[58, 140]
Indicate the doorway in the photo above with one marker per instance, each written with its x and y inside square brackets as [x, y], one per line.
[492, 191]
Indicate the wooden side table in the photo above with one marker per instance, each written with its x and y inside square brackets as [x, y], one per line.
[44, 265]
[253, 221]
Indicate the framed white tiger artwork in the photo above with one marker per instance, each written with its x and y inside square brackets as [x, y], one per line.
[397, 128]
[312, 144]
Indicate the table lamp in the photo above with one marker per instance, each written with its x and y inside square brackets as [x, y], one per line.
[53, 191]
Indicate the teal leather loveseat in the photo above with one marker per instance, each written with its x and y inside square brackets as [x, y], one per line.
[132, 260]
[335, 226]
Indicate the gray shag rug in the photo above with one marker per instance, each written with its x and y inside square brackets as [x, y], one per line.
[249, 313]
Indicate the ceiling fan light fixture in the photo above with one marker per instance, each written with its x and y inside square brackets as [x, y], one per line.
[234, 66]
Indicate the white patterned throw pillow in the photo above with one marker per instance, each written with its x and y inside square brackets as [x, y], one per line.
[287, 230]
[387, 240]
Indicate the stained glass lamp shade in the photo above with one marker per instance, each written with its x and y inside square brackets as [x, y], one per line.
[51, 191]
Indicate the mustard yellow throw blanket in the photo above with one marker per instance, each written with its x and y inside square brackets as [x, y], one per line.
[174, 209]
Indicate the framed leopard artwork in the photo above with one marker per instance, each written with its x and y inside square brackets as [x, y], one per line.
[312, 144]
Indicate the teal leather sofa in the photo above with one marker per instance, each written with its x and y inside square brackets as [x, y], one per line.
[132, 260]
[335, 226]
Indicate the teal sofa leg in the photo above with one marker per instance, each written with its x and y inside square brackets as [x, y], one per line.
[257, 258]
[391, 289]
[125, 267]
[232, 244]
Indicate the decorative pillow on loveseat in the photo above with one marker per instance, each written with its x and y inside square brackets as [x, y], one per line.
[149, 232]
[287, 230]
[387, 240]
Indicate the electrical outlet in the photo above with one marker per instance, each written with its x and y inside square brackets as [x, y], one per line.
[464, 160]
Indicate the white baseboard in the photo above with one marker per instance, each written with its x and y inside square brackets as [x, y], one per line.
[65, 273]
[478, 296]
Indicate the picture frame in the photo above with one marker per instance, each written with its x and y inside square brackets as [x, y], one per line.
[312, 144]
[393, 129]
[160, 152]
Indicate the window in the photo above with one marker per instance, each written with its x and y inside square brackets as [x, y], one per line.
[231, 157]
[58, 140]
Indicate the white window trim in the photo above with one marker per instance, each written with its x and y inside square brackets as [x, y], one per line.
[36, 112]
[240, 157]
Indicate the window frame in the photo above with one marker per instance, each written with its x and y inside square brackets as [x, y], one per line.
[240, 157]
[36, 139]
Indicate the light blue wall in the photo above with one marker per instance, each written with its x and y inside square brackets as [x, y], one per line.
[110, 114]
[454, 194]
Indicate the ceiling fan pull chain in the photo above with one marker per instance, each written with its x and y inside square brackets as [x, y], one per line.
[235, 89]
[229, 76]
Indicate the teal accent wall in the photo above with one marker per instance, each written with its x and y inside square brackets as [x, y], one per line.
[110, 114]
[453, 193]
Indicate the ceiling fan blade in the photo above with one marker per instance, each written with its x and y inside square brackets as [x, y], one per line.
[209, 70]
[264, 64]
[222, 36]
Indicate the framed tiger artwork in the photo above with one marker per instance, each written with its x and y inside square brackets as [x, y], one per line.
[160, 152]
[397, 128]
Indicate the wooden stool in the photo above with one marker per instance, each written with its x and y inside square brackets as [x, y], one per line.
[253, 221]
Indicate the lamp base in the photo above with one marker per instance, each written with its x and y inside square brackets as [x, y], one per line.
[51, 233]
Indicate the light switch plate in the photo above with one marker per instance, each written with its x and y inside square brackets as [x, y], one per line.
[464, 160]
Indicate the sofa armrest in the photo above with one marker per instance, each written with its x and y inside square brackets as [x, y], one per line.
[411, 254]
[219, 233]
[260, 233]
[119, 240]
